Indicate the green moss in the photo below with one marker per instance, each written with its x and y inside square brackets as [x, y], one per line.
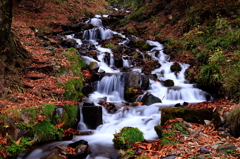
[127, 137]
[74, 86]
[45, 131]
[71, 113]
[76, 64]
[48, 110]
[111, 46]
[73, 89]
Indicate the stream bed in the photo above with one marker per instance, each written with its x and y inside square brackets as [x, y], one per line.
[111, 88]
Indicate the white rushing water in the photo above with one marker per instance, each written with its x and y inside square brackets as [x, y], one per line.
[112, 87]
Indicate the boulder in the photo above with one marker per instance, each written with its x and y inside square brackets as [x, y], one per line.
[149, 99]
[93, 65]
[158, 129]
[176, 67]
[226, 148]
[194, 115]
[92, 116]
[168, 83]
[132, 31]
[133, 79]
[145, 82]
[86, 90]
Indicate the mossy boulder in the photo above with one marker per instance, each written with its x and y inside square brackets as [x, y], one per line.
[194, 115]
[132, 31]
[93, 65]
[176, 67]
[233, 121]
[158, 129]
[149, 99]
[168, 83]
[143, 45]
[226, 148]
[127, 137]
[132, 93]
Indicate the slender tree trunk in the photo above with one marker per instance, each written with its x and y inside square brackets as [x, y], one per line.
[5, 22]
[12, 54]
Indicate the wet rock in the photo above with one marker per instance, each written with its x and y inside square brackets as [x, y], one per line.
[67, 43]
[53, 155]
[226, 148]
[188, 114]
[204, 150]
[145, 82]
[158, 130]
[118, 61]
[133, 79]
[149, 99]
[176, 67]
[233, 121]
[87, 89]
[92, 116]
[93, 65]
[170, 157]
[2, 105]
[168, 83]
[81, 150]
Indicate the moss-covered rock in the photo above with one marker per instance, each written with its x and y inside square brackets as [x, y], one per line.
[93, 65]
[233, 121]
[132, 31]
[158, 129]
[127, 137]
[194, 115]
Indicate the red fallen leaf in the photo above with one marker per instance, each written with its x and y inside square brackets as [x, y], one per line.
[40, 117]
[59, 125]
[3, 141]
[65, 157]
[149, 146]
[3, 153]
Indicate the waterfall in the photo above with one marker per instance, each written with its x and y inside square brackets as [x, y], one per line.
[96, 22]
[112, 85]
[97, 34]
[111, 89]
[81, 125]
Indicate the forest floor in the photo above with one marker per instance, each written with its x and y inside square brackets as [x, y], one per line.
[39, 86]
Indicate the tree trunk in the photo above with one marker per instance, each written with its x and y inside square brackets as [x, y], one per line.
[12, 54]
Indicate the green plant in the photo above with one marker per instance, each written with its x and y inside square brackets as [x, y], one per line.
[180, 127]
[230, 152]
[15, 149]
[126, 154]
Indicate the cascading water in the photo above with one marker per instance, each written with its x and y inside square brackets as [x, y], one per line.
[111, 87]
